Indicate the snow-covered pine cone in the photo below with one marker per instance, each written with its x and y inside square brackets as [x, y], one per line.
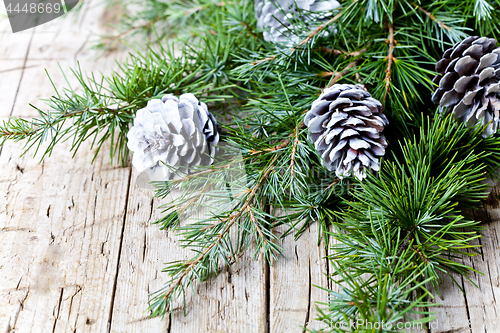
[346, 123]
[469, 82]
[178, 132]
[274, 16]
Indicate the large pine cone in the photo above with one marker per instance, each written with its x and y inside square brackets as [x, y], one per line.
[469, 82]
[275, 17]
[346, 123]
[172, 135]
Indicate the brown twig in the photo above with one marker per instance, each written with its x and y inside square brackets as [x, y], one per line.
[294, 151]
[432, 17]
[249, 29]
[232, 220]
[344, 53]
[193, 200]
[263, 60]
[405, 244]
[338, 75]
[424, 258]
[65, 115]
[317, 30]
[254, 221]
[390, 60]
[333, 183]
[204, 172]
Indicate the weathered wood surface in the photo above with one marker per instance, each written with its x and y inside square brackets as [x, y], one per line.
[78, 252]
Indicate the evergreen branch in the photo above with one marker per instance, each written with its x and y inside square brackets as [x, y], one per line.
[396, 231]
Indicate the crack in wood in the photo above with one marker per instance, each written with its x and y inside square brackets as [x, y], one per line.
[22, 73]
[56, 315]
[267, 292]
[12, 326]
[466, 303]
[308, 313]
[115, 282]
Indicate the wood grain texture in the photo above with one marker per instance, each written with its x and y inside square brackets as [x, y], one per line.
[78, 252]
[293, 295]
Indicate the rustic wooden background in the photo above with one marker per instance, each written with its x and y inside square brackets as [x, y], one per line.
[78, 252]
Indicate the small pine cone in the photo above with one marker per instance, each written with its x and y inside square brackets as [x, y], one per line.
[346, 123]
[275, 17]
[469, 83]
[177, 132]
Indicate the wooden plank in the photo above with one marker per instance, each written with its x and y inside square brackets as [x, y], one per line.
[234, 301]
[143, 253]
[482, 304]
[452, 315]
[61, 221]
[292, 294]
[61, 230]
[13, 57]
[475, 308]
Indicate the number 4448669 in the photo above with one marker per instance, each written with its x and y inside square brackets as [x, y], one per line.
[35, 8]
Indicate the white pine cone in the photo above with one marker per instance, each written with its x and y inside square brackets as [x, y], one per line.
[274, 16]
[177, 132]
[469, 83]
[346, 123]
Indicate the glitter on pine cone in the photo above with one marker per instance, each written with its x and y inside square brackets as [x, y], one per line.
[275, 17]
[172, 135]
[469, 83]
[346, 123]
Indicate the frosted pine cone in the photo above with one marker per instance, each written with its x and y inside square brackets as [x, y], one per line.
[275, 17]
[346, 123]
[177, 132]
[469, 83]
